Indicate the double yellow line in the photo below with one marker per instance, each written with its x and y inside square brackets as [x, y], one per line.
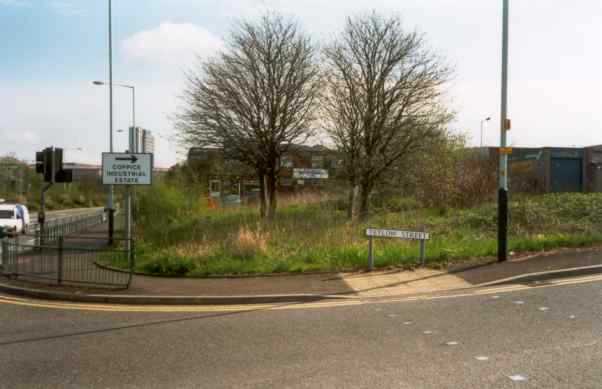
[285, 306]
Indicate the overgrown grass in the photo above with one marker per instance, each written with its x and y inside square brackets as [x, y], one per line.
[316, 236]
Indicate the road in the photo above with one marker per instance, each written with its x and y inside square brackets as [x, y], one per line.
[50, 215]
[544, 337]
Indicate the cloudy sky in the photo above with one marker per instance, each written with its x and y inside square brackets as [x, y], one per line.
[51, 51]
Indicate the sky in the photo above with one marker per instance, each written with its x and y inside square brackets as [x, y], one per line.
[52, 50]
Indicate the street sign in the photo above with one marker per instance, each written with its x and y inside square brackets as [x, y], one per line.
[310, 173]
[127, 168]
[401, 234]
[411, 235]
[506, 150]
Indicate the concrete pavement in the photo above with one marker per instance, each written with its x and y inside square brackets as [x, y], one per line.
[533, 338]
[379, 284]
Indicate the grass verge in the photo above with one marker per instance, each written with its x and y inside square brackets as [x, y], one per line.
[317, 237]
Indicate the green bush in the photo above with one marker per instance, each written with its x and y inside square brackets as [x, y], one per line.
[169, 266]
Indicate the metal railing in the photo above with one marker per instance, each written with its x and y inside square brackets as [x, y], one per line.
[64, 263]
[63, 226]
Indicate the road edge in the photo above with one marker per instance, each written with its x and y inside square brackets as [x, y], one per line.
[164, 300]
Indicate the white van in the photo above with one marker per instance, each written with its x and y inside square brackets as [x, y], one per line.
[14, 218]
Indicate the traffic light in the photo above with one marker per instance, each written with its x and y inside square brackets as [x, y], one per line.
[49, 162]
[58, 160]
[65, 175]
[40, 162]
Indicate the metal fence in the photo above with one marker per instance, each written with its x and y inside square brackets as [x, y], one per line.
[55, 228]
[66, 262]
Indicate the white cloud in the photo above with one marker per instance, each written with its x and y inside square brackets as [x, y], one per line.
[66, 8]
[171, 44]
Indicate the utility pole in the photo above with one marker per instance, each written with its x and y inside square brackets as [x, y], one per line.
[502, 251]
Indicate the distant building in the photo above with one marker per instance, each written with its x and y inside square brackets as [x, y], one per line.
[554, 169]
[143, 140]
[302, 167]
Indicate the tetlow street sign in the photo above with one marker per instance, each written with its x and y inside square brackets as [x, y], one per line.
[400, 234]
[411, 235]
[127, 168]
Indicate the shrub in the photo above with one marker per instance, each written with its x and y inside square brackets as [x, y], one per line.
[247, 244]
[169, 266]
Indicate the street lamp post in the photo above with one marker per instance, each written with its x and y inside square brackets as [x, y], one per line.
[502, 250]
[110, 205]
[128, 199]
[482, 122]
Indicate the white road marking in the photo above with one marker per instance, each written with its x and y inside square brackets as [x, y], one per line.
[543, 309]
[481, 358]
[519, 302]
[452, 343]
[392, 315]
[517, 378]
[427, 332]
[572, 317]
[407, 323]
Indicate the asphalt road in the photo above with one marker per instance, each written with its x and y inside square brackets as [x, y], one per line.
[50, 215]
[534, 338]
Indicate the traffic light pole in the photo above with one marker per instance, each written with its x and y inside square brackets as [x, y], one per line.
[503, 153]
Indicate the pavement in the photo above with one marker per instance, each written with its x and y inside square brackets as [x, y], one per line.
[523, 337]
[290, 288]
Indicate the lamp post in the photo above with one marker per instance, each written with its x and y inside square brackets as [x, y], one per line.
[110, 206]
[133, 89]
[128, 199]
[502, 250]
[488, 118]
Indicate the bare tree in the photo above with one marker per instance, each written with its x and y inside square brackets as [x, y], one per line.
[383, 93]
[255, 99]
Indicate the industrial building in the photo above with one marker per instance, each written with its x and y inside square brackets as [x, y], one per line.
[554, 169]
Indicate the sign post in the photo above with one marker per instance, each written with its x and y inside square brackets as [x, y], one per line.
[400, 234]
[127, 168]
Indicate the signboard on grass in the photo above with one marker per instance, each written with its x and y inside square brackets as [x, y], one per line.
[411, 235]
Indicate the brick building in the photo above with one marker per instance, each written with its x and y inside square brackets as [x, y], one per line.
[302, 168]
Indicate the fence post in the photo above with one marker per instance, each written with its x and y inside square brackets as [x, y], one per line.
[59, 276]
[422, 252]
[370, 255]
[132, 260]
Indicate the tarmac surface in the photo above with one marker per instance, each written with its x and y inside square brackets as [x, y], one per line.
[527, 337]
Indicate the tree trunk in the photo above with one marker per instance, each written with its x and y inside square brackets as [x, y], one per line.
[350, 199]
[361, 202]
[355, 203]
[271, 180]
[365, 200]
[262, 197]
